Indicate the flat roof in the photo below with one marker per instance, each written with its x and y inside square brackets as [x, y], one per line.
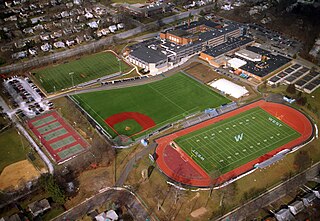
[194, 24]
[248, 54]
[230, 45]
[237, 63]
[274, 62]
[148, 55]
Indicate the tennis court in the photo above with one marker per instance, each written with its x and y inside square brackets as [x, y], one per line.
[43, 121]
[49, 127]
[61, 141]
[55, 134]
[70, 151]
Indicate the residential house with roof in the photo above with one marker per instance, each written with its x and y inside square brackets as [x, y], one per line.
[39, 207]
[296, 207]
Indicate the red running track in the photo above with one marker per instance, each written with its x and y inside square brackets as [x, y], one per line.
[178, 166]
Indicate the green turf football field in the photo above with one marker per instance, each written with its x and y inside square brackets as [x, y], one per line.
[164, 101]
[230, 143]
[85, 69]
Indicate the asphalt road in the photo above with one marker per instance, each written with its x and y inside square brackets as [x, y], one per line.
[253, 206]
[120, 196]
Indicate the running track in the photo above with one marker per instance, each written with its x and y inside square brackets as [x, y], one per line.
[178, 166]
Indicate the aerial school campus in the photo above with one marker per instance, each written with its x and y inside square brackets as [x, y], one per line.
[205, 128]
[211, 152]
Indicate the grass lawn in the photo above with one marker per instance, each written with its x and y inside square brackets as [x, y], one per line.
[57, 77]
[11, 148]
[230, 143]
[127, 127]
[164, 101]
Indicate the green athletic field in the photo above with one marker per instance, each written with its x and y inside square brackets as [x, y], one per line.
[56, 77]
[230, 143]
[164, 101]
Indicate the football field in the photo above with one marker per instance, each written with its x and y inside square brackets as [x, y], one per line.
[230, 143]
[56, 77]
[161, 102]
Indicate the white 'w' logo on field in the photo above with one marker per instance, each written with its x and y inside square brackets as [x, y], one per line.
[238, 137]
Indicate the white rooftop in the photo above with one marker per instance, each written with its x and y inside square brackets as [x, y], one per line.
[229, 88]
[236, 63]
[249, 55]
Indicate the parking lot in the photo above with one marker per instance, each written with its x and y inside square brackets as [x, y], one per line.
[27, 98]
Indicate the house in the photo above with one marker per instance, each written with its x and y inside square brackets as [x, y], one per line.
[69, 5]
[111, 215]
[88, 15]
[28, 30]
[32, 51]
[16, 2]
[308, 199]
[70, 43]
[14, 217]
[77, 2]
[46, 47]
[56, 34]
[296, 207]
[36, 20]
[112, 28]
[93, 24]
[120, 25]
[79, 39]
[103, 32]
[284, 215]
[44, 37]
[11, 18]
[316, 193]
[19, 55]
[20, 44]
[38, 27]
[59, 44]
[64, 14]
[39, 207]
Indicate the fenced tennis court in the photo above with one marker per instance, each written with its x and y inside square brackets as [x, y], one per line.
[61, 141]
[55, 134]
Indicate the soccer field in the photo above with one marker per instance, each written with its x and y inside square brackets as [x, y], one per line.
[230, 143]
[164, 101]
[57, 77]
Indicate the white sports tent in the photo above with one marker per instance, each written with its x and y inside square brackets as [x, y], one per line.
[228, 87]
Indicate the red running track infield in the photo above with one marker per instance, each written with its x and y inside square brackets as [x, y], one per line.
[47, 144]
[178, 166]
[145, 121]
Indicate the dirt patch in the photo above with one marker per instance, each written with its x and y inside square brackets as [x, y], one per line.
[17, 174]
[198, 212]
[201, 72]
[145, 121]
[90, 182]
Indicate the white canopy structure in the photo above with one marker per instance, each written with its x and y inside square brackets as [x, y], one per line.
[229, 88]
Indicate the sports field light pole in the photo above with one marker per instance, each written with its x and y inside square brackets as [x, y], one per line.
[21, 140]
[119, 60]
[71, 74]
